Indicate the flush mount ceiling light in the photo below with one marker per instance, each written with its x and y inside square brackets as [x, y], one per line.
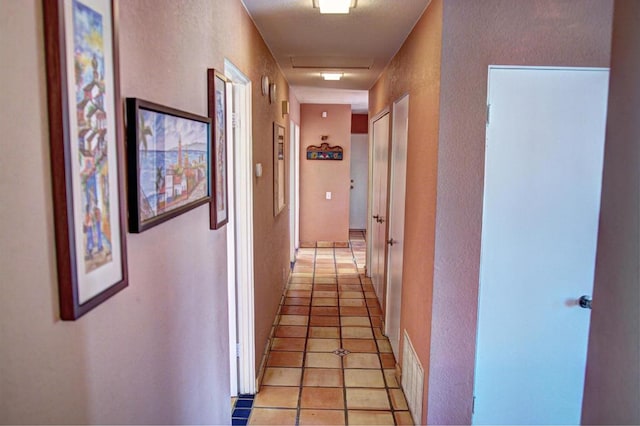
[334, 76]
[334, 6]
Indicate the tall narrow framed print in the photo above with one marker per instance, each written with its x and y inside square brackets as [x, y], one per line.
[217, 99]
[168, 157]
[87, 159]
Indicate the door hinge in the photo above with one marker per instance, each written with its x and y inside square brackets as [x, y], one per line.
[488, 113]
[473, 405]
[237, 350]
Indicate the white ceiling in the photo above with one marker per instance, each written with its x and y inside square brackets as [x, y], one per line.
[359, 44]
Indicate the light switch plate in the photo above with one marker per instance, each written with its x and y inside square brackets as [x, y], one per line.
[328, 195]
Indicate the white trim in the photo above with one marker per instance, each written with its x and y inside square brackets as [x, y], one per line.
[296, 155]
[292, 191]
[375, 118]
[243, 154]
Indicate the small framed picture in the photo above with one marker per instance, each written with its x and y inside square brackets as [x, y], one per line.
[217, 97]
[168, 153]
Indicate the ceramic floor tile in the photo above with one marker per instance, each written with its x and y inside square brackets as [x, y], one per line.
[324, 301]
[322, 398]
[358, 378]
[322, 377]
[357, 333]
[390, 378]
[331, 294]
[322, 360]
[322, 320]
[272, 416]
[367, 399]
[278, 376]
[370, 418]
[353, 310]
[361, 360]
[301, 287]
[351, 288]
[359, 345]
[298, 293]
[403, 418]
[293, 320]
[297, 301]
[324, 310]
[291, 331]
[285, 359]
[321, 417]
[276, 396]
[388, 361]
[351, 295]
[352, 302]
[377, 331]
[355, 322]
[322, 345]
[288, 344]
[398, 400]
[294, 310]
[384, 346]
[333, 288]
[324, 332]
[376, 320]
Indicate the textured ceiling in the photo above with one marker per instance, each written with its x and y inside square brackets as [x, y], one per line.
[359, 44]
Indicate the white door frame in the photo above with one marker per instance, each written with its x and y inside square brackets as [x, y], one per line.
[397, 188]
[294, 170]
[240, 237]
[368, 263]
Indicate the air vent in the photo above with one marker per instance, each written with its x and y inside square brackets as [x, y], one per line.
[332, 62]
[412, 379]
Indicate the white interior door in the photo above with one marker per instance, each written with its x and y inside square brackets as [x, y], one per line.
[398, 184]
[294, 166]
[379, 202]
[543, 167]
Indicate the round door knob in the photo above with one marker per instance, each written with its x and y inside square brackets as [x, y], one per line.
[585, 302]
[391, 242]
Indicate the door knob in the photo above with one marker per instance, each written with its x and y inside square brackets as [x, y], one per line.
[391, 242]
[585, 302]
[377, 218]
[381, 220]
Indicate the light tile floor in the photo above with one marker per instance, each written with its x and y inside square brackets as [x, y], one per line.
[329, 363]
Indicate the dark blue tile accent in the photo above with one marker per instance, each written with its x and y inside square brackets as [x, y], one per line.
[244, 403]
[246, 396]
[239, 422]
[241, 413]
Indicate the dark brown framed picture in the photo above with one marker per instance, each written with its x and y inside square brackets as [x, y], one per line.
[279, 170]
[217, 99]
[168, 157]
[87, 158]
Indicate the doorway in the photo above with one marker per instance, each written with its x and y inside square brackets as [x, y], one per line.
[240, 234]
[543, 170]
[359, 170]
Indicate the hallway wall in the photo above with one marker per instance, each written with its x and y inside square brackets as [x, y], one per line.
[156, 352]
[612, 384]
[475, 35]
[416, 70]
[322, 219]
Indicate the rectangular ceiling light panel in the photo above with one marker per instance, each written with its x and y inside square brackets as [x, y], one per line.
[334, 6]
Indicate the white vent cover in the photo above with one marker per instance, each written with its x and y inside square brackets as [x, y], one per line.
[412, 379]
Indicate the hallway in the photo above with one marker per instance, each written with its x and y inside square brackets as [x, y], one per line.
[329, 362]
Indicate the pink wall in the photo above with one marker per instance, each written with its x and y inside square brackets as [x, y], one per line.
[158, 351]
[415, 70]
[322, 219]
[475, 35]
[612, 385]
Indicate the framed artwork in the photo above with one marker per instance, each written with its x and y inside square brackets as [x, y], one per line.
[217, 98]
[87, 159]
[168, 154]
[278, 169]
[324, 152]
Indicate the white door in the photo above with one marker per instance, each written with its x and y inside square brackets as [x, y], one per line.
[543, 167]
[294, 167]
[379, 202]
[398, 184]
[359, 169]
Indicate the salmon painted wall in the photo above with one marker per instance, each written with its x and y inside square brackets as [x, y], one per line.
[475, 35]
[158, 351]
[612, 384]
[415, 70]
[322, 219]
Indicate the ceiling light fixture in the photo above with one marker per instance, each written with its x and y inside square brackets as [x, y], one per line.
[333, 76]
[334, 6]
